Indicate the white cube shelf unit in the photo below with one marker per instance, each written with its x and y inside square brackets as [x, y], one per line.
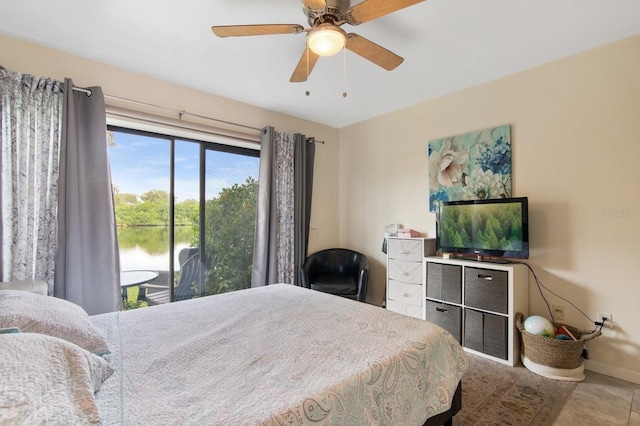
[477, 303]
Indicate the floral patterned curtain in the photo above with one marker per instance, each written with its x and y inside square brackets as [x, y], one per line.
[30, 119]
[284, 184]
[284, 203]
[58, 222]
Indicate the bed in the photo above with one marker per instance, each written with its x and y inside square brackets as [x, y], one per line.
[276, 355]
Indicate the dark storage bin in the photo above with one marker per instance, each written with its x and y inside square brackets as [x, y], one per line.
[486, 333]
[446, 316]
[444, 282]
[487, 289]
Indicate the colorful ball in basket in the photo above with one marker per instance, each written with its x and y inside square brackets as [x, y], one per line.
[539, 326]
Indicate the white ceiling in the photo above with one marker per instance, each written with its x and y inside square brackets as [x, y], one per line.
[448, 45]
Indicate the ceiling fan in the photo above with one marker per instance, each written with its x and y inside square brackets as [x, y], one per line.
[325, 37]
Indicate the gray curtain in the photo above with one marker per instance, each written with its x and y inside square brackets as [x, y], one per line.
[284, 207]
[30, 122]
[304, 162]
[87, 259]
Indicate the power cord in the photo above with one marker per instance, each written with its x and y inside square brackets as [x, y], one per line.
[601, 324]
[541, 286]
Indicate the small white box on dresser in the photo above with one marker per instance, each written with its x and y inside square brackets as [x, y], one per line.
[406, 291]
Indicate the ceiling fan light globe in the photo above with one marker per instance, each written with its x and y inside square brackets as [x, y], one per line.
[326, 41]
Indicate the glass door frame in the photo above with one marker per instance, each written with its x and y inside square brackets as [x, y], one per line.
[204, 146]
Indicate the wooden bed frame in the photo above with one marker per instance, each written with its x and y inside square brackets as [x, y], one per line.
[446, 418]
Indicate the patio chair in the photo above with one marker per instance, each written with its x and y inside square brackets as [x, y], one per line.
[189, 278]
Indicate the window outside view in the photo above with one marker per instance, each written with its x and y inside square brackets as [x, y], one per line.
[143, 186]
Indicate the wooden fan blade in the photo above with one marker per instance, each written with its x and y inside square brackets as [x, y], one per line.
[253, 30]
[315, 4]
[373, 52]
[304, 67]
[369, 10]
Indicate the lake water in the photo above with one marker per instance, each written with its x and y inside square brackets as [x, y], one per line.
[147, 247]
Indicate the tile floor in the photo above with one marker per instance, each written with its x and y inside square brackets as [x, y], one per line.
[602, 400]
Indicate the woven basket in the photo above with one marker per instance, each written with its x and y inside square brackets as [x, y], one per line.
[565, 354]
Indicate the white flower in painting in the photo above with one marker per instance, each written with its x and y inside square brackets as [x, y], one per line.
[446, 165]
[483, 185]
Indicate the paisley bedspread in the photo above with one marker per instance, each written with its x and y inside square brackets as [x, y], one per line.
[276, 355]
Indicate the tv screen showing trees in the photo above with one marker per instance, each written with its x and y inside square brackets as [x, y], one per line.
[490, 226]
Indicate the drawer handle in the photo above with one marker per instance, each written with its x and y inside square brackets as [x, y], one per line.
[405, 252]
[442, 310]
[405, 295]
[406, 274]
[485, 277]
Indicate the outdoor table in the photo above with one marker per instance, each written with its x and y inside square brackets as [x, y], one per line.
[135, 277]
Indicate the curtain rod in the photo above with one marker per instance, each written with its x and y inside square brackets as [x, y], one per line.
[180, 112]
[82, 89]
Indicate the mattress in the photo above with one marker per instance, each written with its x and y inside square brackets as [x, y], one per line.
[275, 355]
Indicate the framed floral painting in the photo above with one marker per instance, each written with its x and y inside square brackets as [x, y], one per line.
[472, 166]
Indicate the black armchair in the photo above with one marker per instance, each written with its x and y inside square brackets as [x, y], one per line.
[338, 271]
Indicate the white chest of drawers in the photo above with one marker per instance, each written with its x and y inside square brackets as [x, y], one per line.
[406, 289]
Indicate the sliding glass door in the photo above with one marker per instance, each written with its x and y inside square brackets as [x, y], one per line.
[231, 190]
[185, 212]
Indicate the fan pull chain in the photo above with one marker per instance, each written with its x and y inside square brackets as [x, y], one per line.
[344, 72]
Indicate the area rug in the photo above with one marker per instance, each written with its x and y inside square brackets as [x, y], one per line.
[496, 394]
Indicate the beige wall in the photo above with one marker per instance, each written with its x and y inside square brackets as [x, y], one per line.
[24, 57]
[576, 146]
[575, 133]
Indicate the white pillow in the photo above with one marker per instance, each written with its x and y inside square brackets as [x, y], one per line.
[34, 313]
[46, 380]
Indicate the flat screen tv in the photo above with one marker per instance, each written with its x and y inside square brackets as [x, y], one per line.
[484, 228]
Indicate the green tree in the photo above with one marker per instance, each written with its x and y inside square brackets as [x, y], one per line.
[156, 196]
[186, 212]
[230, 227]
[153, 210]
[493, 232]
[121, 199]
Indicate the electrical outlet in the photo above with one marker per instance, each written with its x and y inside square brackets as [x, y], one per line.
[609, 322]
[558, 312]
